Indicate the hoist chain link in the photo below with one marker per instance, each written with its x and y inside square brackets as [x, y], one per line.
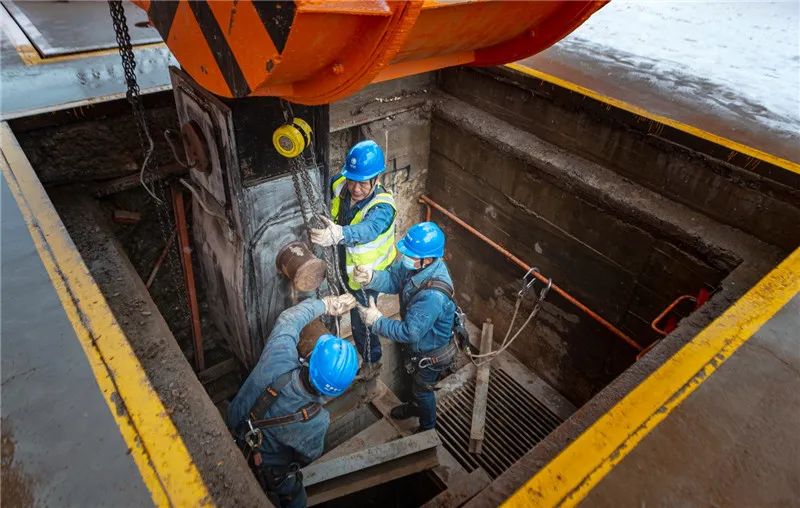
[158, 190]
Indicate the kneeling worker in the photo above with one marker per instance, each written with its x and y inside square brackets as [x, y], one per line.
[277, 416]
[427, 310]
[363, 224]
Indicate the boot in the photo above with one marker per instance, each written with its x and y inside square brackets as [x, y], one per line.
[404, 411]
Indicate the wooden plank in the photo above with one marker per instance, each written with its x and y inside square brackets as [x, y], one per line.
[460, 491]
[378, 475]
[217, 371]
[378, 433]
[365, 459]
[481, 391]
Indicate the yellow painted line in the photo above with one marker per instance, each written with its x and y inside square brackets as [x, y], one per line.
[569, 477]
[786, 164]
[156, 447]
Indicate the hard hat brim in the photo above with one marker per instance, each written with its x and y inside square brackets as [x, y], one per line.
[359, 178]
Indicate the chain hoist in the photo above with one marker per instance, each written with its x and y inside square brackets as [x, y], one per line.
[295, 141]
[146, 143]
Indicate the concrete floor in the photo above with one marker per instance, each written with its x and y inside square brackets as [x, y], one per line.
[60, 445]
[733, 442]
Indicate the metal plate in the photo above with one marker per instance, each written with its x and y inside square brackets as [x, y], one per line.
[515, 422]
[62, 28]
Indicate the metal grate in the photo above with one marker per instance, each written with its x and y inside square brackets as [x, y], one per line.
[515, 422]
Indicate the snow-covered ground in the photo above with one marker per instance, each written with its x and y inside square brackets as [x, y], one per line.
[741, 58]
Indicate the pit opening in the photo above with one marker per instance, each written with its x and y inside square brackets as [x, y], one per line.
[550, 197]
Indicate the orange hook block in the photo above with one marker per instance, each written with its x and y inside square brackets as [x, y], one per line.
[319, 51]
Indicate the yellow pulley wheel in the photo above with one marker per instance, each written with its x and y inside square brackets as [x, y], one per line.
[291, 139]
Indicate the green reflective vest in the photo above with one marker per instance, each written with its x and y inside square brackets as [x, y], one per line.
[380, 252]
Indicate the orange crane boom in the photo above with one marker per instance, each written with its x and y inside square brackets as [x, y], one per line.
[316, 52]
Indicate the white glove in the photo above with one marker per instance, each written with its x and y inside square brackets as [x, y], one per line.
[330, 235]
[369, 314]
[362, 274]
[338, 305]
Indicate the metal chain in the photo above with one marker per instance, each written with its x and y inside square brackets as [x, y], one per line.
[132, 94]
[307, 198]
[147, 145]
[336, 268]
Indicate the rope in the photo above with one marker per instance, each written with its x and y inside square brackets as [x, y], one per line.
[527, 285]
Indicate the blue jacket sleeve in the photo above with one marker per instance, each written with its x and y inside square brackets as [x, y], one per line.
[419, 320]
[389, 281]
[378, 220]
[279, 355]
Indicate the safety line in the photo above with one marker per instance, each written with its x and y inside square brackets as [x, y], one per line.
[157, 449]
[571, 475]
[786, 164]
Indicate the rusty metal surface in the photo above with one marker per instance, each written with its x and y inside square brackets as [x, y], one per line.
[309, 336]
[296, 261]
[188, 274]
[515, 422]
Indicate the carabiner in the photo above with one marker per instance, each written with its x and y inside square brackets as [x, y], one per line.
[425, 362]
[253, 437]
[546, 289]
[528, 280]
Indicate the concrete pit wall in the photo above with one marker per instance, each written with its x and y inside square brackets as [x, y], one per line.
[623, 271]
[755, 197]
[617, 244]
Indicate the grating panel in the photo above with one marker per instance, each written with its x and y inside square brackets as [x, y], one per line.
[515, 422]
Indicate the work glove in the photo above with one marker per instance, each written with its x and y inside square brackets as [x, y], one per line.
[338, 305]
[369, 314]
[362, 274]
[329, 235]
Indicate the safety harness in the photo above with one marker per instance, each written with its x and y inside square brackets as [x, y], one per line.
[446, 353]
[252, 426]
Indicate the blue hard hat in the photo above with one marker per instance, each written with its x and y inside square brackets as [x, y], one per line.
[333, 365]
[423, 240]
[364, 161]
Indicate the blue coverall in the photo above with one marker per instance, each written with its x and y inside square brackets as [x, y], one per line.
[426, 324]
[299, 442]
[378, 220]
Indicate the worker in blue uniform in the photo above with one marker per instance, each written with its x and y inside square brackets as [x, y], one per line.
[277, 417]
[427, 312]
[363, 226]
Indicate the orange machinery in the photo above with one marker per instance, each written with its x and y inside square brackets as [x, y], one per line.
[319, 51]
[308, 53]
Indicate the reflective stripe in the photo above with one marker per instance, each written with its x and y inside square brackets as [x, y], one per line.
[377, 254]
[382, 263]
[336, 200]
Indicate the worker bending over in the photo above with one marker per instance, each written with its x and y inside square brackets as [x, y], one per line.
[277, 417]
[427, 312]
[363, 224]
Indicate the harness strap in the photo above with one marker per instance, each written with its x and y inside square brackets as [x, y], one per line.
[436, 285]
[438, 355]
[306, 413]
[268, 396]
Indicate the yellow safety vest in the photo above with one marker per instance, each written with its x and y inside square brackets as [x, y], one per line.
[380, 252]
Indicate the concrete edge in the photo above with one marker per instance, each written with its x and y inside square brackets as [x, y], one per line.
[156, 447]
